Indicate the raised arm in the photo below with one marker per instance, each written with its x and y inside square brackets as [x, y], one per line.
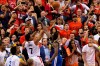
[37, 37]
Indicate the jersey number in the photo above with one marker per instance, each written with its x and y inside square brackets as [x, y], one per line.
[10, 63]
[31, 50]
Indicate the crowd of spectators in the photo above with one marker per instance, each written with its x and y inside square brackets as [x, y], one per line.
[49, 32]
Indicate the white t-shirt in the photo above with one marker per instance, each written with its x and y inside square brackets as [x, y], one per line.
[96, 37]
[90, 53]
[13, 60]
[32, 49]
[2, 56]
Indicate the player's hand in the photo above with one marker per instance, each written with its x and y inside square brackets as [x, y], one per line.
[48, 62]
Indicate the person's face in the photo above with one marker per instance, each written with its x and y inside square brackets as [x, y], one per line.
[38, 2]
[36, 36]
[28, 22]
[14, 15]
[13, 37]
[53, 30]
[39, 27]
[63, 40]
[75, 19]
[45, 42]
[50, 1]
[2, 31]
[3, 8]
[3, 46]
[18, 49]
[59, 21]
[66, 26]
[1, 25]
[27, 30]
[43, 14]
[59, 41]
[73, 43]
[81, 33]
[86, 28]
[79, 12]
[72, 36]
[51, 23]
[98, 29]
[6, 41]
[90, 40]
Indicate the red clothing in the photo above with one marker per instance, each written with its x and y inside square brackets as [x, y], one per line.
[20, 15]
[23, 29]
[65, 34]
[97, 10]
[17, 22]
[79, 7]
[3, 2]
[43, 2]
[84, 42]
[48, 9]
[90, 24]
[12, 3]
[75, 26]
[12, 31]
[22, 39]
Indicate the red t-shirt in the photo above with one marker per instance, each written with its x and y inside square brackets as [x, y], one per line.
[48, 9]
[75, 26]
[3, 2]
[22, 39]
[65, 34]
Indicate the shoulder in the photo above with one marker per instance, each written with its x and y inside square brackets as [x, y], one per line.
[84, 47]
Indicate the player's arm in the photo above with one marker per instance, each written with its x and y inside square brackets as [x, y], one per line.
[55, 52]
[23, 62]
[17, 62]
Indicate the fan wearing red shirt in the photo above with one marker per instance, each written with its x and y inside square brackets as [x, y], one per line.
[65, 32]
[22, 38]
[74, 25]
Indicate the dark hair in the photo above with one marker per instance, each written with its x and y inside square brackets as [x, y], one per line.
[27, 37]
[51, 31]
[54, 36]
[16, 40]
[1, 43]
[13, 50]
[91, 36]
[70, 45]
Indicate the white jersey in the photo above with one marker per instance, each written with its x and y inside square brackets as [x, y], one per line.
[13, 60]
[32, 49]
[2, 56]
[37, 61]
